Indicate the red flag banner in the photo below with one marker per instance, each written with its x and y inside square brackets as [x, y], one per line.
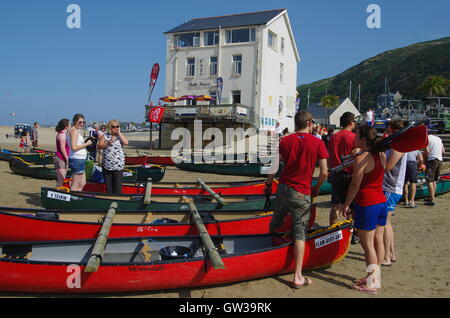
[153, 77]
[156, 114]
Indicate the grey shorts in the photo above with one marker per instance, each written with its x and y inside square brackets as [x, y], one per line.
[287, 201]
[433, 171]
[60, 164]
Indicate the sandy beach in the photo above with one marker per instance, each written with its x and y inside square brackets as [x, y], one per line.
[421, 236]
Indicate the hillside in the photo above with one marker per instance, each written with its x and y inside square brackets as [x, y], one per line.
[405, 68]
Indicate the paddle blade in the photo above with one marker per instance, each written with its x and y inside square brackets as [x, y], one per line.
[410, 139]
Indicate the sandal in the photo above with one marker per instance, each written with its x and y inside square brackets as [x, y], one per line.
[360, 281]
[364, 289]
[307, 282]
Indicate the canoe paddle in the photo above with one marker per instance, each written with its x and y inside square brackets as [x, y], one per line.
[406, 140]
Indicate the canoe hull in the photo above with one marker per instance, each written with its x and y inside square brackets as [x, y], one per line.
[23, 225]
[54, 277]
[55, 199]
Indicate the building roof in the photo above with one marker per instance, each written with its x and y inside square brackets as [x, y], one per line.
[319, 111]
[227, 21]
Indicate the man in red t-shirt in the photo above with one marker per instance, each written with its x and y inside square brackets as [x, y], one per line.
[299, 152]
[340, 144]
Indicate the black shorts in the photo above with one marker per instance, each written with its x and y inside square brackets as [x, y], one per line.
[433, 170]
[340, 182]
[411, 172]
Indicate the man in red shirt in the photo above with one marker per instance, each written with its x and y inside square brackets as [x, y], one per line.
[299, 152]
[340, 144]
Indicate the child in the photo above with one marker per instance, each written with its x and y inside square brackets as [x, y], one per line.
[24, 141]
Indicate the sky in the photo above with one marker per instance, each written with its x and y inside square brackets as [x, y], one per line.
[49, 71]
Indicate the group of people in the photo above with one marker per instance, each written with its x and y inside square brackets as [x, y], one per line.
[72, 151]
[366, 192]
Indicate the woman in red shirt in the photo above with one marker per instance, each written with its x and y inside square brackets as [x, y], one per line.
[370, 209]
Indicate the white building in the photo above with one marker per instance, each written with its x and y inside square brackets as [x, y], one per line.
[255, 55]
[332, 116]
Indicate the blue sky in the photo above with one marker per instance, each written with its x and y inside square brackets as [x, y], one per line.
[49, 72]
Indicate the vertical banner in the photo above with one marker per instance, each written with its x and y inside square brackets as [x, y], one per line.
[153, 77]
[219, 90]
[156, 114]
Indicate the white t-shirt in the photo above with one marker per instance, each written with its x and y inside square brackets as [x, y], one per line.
[369, 116]
[435, 148]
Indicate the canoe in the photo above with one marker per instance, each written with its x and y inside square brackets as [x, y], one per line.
[239, 169]
[255, 187]
[50, 225]
[144, 159]
[47, 172]
[56, 199]
[58, 267]
[442, 187]
[32, 157]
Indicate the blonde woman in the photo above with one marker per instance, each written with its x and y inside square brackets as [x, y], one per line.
[113, 161]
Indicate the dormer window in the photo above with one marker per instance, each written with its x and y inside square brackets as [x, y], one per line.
[241, 35]
[187, 40]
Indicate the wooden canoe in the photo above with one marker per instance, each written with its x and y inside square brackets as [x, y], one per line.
[56, 199]
[47, 172]
[142, 264]
[32, 157]
[51, 225]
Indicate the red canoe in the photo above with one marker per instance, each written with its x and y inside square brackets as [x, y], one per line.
[27, 224]
[139, 264]
[144, 159]
[187, 188]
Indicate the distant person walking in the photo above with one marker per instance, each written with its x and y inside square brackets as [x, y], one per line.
[78, 153]
[433, 154]
[35, 135]
[93, 136]
[61, 158]
[413, 160]
[369, 117]
[113, 156]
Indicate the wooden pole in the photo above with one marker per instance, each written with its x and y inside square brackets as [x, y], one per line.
[217, 197]
[213, 255]
[148, 192]
[99, 248]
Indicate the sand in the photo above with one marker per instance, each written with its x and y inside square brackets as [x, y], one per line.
[421, 237]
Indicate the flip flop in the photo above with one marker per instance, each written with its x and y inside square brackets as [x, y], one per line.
[360, 281]
[386, 263]
[365, 289]
[306, 283]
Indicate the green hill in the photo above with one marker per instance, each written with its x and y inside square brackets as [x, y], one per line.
[405, 68]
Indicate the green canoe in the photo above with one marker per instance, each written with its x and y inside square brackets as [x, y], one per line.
[47, 172]
[56, 199]
[34, 158]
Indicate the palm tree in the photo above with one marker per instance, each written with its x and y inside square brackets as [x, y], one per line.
[329, 102]
[435, 86]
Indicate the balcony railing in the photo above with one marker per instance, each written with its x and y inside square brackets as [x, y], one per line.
[209, 113]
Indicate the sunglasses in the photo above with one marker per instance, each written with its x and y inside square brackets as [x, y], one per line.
[80, 122]
[115, 126]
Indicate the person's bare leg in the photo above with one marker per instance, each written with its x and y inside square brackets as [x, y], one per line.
[431, 190]
[388, 239]
[60, 175]
[299, 251]
[334, 213]
[372, 251]
[406, 193]
[379, 243]
[78, 182]
[413, 193]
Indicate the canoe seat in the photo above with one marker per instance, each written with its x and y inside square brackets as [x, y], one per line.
[48, 215]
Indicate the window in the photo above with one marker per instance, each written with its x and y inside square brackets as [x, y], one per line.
[211, 38]
[272, 40]
[237, 65]
[240, 36]
[187, 39]
[236, 97]
[282, 45]
[213, 94]
[213, 66]
[281, 73]
[190, 71]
